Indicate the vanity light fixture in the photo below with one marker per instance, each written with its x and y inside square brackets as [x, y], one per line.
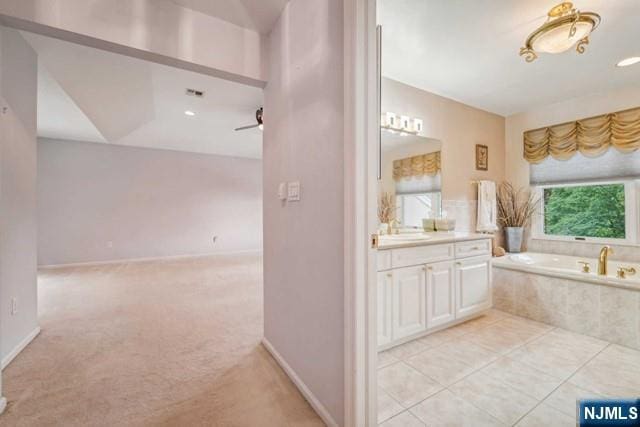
[628, 61]
[565, 27]
[404, 125]
[189, 113]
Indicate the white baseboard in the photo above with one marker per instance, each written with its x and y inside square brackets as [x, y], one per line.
[147, 259]
[313, 401]
[21, 346]
[3, 404]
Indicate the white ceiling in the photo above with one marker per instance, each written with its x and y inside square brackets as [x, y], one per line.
[258, 15]
[468, 51]
[93, 95]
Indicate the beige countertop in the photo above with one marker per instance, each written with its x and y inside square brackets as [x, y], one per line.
[409, 240]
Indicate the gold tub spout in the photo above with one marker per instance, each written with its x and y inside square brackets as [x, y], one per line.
[603, 259]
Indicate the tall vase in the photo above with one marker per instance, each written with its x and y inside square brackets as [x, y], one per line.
[513, 238]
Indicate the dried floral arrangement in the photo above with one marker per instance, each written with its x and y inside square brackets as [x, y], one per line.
[515, 206]
[386, 208]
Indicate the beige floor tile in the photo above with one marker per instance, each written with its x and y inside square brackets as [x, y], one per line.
[405, 384]
[406, 350]
[387, 406]
[438, 338]
[580, 342]
[405, 419]
[546, 416]
[496, 338]
[555, 356]
[527, 328]
[495, 397]
[615, 372]
[564, 398]
[444, 369]
[469, 353]
[385, 359]
[446, 409]
[522, 377]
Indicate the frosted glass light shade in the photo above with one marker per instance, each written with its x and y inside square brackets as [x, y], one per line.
[558, 39]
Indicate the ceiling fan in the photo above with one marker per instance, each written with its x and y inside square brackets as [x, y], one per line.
[258, 125]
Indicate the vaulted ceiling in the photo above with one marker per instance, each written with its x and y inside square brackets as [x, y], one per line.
[93, 95]
[468, 51]
[257, 15]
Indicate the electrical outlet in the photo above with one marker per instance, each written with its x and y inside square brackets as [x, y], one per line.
[215, 238]
[14, 306]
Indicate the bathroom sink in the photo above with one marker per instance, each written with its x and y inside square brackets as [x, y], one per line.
[405, 237]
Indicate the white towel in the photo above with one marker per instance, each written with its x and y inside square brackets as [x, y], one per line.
[487, 207]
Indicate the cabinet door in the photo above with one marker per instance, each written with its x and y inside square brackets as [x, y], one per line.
[408, 307]
[384, 307]
[473, 286]
[441, 303]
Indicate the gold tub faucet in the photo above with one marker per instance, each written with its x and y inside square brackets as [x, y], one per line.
[603, 259]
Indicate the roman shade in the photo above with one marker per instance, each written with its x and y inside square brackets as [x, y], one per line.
[591, 137]
[417, 166]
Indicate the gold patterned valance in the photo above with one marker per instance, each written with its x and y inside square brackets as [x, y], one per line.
[424, 164]
[591, 137]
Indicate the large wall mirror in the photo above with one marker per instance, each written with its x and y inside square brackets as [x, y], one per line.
[411, 176]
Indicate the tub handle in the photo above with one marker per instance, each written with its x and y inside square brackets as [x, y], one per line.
[623, 271]
[586, 267]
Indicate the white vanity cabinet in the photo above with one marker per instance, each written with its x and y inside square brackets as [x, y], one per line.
[424, 288]
[473, 286]
[441, 301]
[408, 302]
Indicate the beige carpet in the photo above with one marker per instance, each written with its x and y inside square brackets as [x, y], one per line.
[156, 343]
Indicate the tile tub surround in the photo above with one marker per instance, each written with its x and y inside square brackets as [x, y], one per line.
[582, 249]
[600, 311]
[542, 369]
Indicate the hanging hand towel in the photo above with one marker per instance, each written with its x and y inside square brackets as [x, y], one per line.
[487, 207]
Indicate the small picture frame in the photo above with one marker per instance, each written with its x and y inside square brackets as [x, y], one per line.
[482, 157]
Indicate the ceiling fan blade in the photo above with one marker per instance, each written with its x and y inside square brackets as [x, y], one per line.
[247, 127]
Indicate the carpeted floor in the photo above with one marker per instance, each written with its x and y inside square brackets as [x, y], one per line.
[173, 343]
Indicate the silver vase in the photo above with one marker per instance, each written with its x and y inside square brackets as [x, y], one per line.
[513, 238]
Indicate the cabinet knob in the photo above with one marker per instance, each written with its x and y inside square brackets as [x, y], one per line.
[458, 263]
[389, 275]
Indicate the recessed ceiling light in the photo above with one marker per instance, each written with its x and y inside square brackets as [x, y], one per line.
[189, 113]
[628, 61]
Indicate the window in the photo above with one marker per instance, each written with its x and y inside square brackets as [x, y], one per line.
[600, 212]
[412, 208]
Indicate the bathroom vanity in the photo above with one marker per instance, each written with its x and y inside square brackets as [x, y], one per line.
[429, 281]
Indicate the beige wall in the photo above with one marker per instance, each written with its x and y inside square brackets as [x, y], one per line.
[102, 202]
[304, 241]
[18, 259]
[459, 127]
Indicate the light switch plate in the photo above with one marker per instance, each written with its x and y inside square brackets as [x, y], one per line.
[293, 193]
[282, 191]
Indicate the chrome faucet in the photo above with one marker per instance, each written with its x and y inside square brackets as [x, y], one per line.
[603, 259]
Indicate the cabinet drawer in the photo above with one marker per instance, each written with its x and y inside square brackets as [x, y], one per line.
[473, 248]
[421, 255]
[384, 260]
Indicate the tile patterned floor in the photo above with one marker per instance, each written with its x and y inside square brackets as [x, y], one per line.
[461, 376]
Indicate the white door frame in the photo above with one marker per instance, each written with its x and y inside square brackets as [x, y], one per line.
[360, 201]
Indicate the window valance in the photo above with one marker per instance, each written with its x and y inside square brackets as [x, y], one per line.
[416, 166]
[591, 137]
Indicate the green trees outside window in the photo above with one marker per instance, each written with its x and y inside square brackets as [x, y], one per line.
[585, 211]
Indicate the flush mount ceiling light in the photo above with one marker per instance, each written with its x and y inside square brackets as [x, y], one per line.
[565, 27]
[189, 113]
[628, 61]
